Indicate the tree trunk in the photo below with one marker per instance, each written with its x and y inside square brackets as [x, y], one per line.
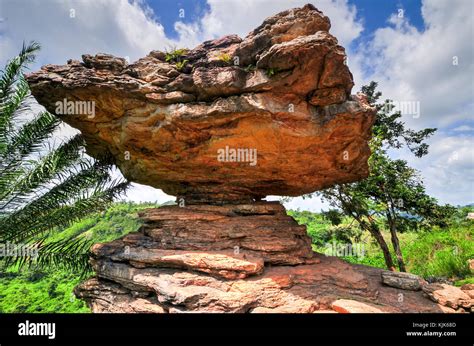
[374, 230]
[395, 242]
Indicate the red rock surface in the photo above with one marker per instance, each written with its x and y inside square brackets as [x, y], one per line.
[448, 295]
[233, 258]
[284, 91]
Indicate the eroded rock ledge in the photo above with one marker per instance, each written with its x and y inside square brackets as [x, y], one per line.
[284, 91]
[244, 258]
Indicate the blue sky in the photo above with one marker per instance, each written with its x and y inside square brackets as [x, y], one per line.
[168, 12]
[410, 56]
[373, 13]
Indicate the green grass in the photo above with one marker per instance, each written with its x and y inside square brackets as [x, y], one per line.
[437, 253]
[175, 55]
[52, 290]
[469, 280]
[39, 292]
[441, 253]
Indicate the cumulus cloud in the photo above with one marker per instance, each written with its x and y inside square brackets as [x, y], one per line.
[434, 66]
[463, 128]
[242, 16]
[448, 170]
[67, 29]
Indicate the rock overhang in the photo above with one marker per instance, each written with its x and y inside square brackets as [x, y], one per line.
[283, 91]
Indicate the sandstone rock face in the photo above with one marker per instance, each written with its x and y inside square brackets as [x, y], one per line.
[281, 96]
[448, 295]
[347, 306]
[231, 241]
[233, 258]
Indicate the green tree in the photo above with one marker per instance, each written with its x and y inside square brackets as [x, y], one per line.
[393, 191]
[43, 187]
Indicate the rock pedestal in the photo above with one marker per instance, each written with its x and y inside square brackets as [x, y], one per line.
[233, 258]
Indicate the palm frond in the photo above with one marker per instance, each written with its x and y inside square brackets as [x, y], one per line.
[44, 189]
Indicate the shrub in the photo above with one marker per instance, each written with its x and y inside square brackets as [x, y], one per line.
[175, 55]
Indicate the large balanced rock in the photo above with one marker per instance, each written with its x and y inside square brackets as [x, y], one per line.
[232, 120]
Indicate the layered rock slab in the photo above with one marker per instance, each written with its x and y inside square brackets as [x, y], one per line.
[331, 284]
[231, 241]
[283, 91]
[233, 258]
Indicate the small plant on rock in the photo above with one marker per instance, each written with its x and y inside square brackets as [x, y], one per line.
[250, 68]
[225, 58]
[271, 71]
[180, 65]
[175, 55]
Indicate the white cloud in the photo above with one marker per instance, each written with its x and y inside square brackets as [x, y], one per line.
[242, 16]
[118, 27]
[143, 193]
[448, 169]
[413, 65]
[314, 204]
[463, 128]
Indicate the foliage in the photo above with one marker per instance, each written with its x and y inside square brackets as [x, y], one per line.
[224, 57]
[176, 55]
[322, 231]
[441, 253]
[334, 216]
[44, 188]
[181, 64]
[271, 71]
[250, 68]
[51, 290]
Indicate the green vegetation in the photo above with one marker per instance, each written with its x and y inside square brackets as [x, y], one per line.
[51, 290]
[437, 253]
[39, 292]
[250, 68]
[181, 64]
[225, 58]
[271, 72]
[176, 55]
[44, 187]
